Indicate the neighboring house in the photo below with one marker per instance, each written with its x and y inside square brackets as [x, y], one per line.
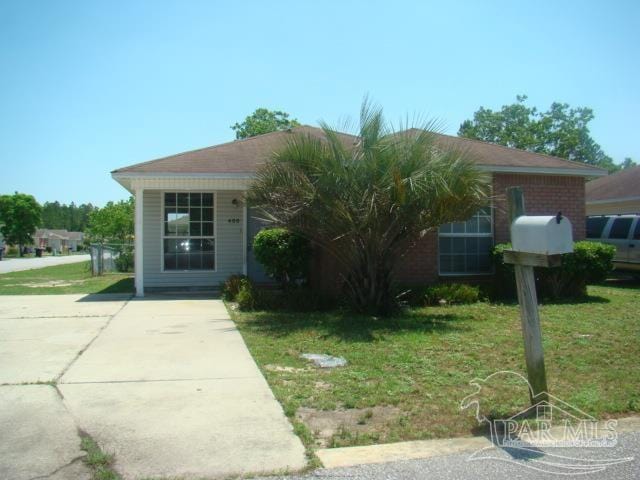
[193, 229]
[614, 194]
[58, 240]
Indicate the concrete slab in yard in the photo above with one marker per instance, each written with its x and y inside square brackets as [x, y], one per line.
[38, 436]
[187, 429]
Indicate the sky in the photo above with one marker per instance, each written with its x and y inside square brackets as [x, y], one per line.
[90, 86]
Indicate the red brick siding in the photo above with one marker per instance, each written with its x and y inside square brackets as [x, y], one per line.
[420, 264]
[544, 195]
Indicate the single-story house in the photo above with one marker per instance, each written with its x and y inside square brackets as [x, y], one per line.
[615, 194]
[57, 239]
[193, 228]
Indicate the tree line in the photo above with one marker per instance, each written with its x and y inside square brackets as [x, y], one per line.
[21, 215]
[561, 131]
[72, 217]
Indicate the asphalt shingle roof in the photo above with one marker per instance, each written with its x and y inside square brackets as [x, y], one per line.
[622, 184]
[247, 155]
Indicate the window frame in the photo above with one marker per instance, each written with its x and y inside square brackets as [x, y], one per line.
[490, 235]
[163, 235]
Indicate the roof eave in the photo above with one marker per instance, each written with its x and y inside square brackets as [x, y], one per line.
[613, 200]
[575, 172]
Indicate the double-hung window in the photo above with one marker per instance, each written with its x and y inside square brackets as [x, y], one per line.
[188, 231]
[465, 247]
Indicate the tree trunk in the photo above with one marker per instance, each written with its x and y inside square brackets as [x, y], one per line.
[370, 283]
[20, 250]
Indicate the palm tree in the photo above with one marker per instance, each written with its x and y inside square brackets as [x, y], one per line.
[366, 201]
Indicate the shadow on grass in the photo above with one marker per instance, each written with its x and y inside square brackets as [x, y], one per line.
[351, 327]
[575, 300]
[559, 301]
[620, 281]
[124, 285]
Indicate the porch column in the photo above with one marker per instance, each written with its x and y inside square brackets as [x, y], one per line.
[139, 274]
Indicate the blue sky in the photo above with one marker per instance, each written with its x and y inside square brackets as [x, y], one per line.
[89, 86]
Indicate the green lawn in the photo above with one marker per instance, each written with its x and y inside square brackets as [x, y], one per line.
[71, 278]
[407, 375]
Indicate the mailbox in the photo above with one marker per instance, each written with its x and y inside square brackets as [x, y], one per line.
[546, 235]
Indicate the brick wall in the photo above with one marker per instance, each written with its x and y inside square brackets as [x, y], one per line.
[544, 195]
[420, 264]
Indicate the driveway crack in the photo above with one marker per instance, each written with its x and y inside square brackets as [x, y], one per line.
[84, 349]
[68, 464]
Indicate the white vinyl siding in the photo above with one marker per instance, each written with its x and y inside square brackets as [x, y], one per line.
[229, 225]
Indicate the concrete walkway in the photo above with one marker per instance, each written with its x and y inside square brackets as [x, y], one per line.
[166, 385]
[8, 265]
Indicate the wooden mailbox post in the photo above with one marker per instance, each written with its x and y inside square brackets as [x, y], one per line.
[536, 242]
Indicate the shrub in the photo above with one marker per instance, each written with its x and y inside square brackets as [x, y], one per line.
[231, 287]
[246, 296]
[589, 263]
[284, 255]
[250, 297]
[299, 299]
[410, 295]
[124, 261]
[452, 293]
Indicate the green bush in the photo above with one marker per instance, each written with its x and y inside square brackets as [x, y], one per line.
[451, 293]
[300, 299]
[124, 261]
[589, 263]
[284, 255]
[231, 287]
[246, 296]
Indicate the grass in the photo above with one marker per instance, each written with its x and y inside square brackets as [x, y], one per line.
[422, 361]
[99, 462]
[60, 279]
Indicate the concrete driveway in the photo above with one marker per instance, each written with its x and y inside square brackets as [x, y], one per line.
[167, 385]
[8, 265]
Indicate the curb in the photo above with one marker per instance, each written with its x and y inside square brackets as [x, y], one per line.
[419, 449]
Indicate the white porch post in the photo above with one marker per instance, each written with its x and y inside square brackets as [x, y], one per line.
[139, 273]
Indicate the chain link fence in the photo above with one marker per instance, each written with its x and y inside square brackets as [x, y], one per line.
[111, 257]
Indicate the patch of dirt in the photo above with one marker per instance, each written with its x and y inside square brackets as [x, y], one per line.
[49, 283]
[326, 423]
[280, 368]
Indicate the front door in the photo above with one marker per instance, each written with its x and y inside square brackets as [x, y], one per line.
[255, 270]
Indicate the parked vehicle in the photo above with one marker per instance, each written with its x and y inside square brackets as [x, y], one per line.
[622, 231]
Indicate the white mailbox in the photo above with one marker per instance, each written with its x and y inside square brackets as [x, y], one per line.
[547, 235]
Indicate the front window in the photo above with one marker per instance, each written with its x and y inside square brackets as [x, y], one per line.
[465, 247]
[188, 231]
